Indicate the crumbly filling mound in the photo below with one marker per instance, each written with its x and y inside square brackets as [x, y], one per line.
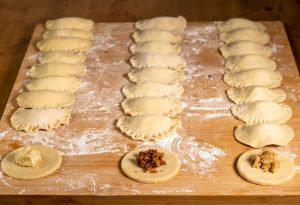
[266, 161]
[28, 157]
[150, 160]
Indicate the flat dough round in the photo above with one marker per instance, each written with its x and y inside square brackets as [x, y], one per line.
[156, 35]
[51, 160]
[33, 120]
[131, 169]
[248, 62]
[156, 75]
[151, 106]
[254, 77]
[154, 47]
[148, 127]
[285, 172]
[245, 34]
[244, 48]
[152, 90]
[237, 23]
[262, 112]
[260, 135]
[173, 24]
[255, 93]
[58, 83]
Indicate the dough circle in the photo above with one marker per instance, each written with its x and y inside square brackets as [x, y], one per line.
[285, 172]
[51, 160]
[131, 169]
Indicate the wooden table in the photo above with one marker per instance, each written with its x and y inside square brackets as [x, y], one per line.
[92, 146]
[18, 19]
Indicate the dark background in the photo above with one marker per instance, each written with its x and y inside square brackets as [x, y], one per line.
[19, 17]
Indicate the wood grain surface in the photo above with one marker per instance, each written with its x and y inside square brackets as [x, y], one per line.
[91, 172]
[19, 17]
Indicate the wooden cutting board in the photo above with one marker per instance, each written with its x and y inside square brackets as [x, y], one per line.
[93, 147]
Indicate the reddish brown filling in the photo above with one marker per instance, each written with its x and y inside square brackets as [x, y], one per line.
[150, 160]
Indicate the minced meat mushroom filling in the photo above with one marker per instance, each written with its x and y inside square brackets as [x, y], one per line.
[150, 160]
[267, 161]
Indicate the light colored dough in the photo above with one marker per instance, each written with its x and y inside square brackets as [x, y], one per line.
[69, 23]
[51, 161]
[61, 57]
[131, 169]
[33, 120]
[78, 33]
[175, 24]
[151, 106]
[156, 35]
[237, 23]
[245, 34]
[255, 93]
[45, 99]
[156, 75]
[57, 69]
[65, 84]
[154, 47]
[143, 60]
[285, 172]
[262, 112]
[152, 90]
[247, 62]
[261, 135]
[148, 127]
[245, 48]
[253, 77]
[64, 44]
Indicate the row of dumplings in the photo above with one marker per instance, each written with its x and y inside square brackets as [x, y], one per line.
[54, 80]
[152, 102]
[252, 76]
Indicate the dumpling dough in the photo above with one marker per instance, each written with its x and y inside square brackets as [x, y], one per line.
[247, 62]
[175, 24]
[57, 69]
[64, 44]
[245, 48]
[254, 77]
[69, 23]
[79, 33]
[65, 84]
[152, 90]
[237, 23]
[61, 57]
[261, 135]
[131, 169]
[151, 106]
[245, 34]
[255, 93]
[156, 75]
[45, 99]
[262, 112]
[148, 127]
[285, 172]
[33, 120]
[144, 60]
[156, 35]
[50, 162]
[154, 47]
